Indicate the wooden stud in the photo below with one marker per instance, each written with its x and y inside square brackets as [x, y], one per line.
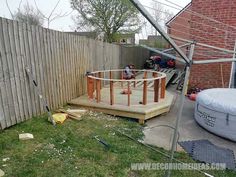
[156, 87]
[134, 84]
[128, 93]
[163, 87]
[156, 90]
[145, 89]
[98, 88]
[111, 90]
[90, 87]
[122, 77]
[145, 74]
[100, 76]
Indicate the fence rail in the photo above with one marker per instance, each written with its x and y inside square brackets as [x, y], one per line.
[58, 62]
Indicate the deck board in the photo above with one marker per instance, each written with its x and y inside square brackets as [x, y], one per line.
[121, 108]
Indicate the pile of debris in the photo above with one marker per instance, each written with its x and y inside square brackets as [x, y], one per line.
[61, 115]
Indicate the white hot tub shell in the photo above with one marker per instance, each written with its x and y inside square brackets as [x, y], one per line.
[215, 110]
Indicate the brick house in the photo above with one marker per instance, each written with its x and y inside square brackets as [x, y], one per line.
[194, 27]
[175, 26]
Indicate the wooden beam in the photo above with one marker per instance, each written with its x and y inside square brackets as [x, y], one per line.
[156, 88]
[90, 87]
[98, 88]
[128, 83]
[111, 90]
[145, 75]
[163, 88]
[134, 84]
[145, 89]
[122, 77]
[100, 76]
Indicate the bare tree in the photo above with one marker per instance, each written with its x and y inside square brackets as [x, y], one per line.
[29, 15]
[157, 13]
[32, 16]
[168, 15]
[160, 14]
[52, 15]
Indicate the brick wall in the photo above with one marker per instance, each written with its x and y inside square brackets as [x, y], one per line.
[218, 74]
[180, 25]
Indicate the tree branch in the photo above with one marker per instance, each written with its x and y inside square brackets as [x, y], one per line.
[8, 7]
[52, 16]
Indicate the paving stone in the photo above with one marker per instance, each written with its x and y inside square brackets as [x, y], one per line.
[26, 136]
[1, 173]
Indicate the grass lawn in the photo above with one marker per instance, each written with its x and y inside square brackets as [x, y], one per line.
[69, 149]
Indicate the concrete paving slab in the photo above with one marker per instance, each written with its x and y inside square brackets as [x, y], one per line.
[189, 130]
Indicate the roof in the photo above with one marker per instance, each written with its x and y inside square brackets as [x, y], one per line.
[179, 13]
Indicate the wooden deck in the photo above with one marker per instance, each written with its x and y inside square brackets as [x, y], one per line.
[120, 108]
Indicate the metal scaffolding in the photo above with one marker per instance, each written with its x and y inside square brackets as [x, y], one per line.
[185, 59]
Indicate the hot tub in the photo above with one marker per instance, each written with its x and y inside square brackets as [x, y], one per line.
[215, 110]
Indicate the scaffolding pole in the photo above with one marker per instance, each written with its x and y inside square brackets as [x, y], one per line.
[203, 45]
[220, 60]
[188, 61]
[162, 53]
[232, 74]
[181, 106]
[146, 14]
[181, 46]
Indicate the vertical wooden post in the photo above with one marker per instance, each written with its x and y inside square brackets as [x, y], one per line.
[90, 87]
[156, 88]
[163, 88]
[98, 89]
[122, 77]
[100, 76]
[111, 90]
[128, 93]
[145, 89]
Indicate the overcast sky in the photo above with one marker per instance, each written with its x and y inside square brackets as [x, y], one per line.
[66, 23]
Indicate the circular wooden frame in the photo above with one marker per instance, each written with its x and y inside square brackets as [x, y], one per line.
[92, 75]
[95, 79]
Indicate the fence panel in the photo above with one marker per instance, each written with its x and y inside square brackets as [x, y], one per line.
[58, 61]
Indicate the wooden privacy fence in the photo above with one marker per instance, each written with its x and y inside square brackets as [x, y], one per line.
[58, 62]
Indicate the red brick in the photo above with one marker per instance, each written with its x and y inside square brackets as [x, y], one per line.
[209, 75]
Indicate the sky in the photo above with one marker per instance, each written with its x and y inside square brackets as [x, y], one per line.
[65, 23]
